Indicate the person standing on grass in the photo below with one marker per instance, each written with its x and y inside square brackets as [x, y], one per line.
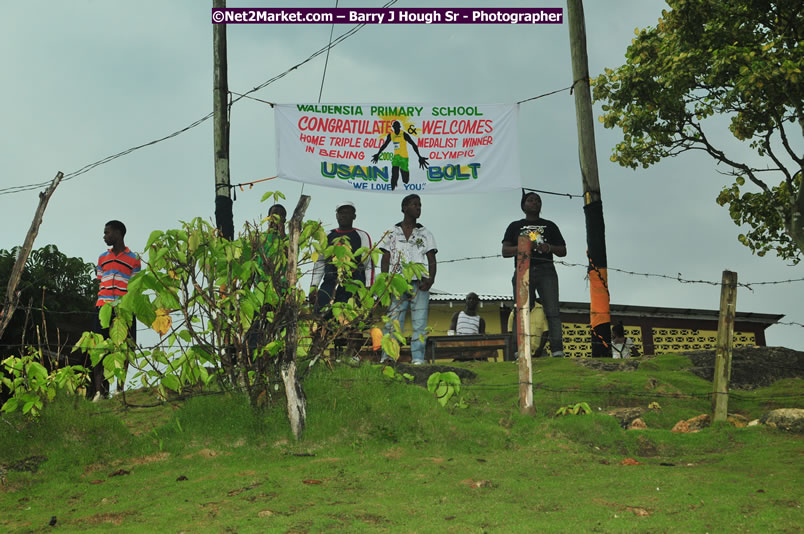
[326, 287]
[410, 242]
[115, 268]
[546, 241]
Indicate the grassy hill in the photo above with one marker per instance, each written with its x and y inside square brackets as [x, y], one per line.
[380, 455]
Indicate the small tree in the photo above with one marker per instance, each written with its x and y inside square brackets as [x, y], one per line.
[742, 59]
[225, 309]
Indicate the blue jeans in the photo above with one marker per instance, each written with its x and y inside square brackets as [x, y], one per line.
[417, 302]
[545, 281]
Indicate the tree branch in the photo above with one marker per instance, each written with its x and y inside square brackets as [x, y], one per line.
[721, 156]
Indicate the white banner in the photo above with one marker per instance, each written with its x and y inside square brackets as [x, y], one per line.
[418, 148]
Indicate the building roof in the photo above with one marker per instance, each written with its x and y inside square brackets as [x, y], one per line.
[618, 310]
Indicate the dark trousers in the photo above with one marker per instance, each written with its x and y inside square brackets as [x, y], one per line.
[99, 382]
[545, 281]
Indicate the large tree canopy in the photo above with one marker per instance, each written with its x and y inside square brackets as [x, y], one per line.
[50, 277]
[741, 60]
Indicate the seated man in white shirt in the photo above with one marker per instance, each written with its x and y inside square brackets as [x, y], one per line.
[622, 346]
[467, 321]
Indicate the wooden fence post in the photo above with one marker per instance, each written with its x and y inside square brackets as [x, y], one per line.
[725, 334]
[524, 363]
[10, 303]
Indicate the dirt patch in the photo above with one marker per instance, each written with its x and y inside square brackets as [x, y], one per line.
[30, 464]
[605, 364]
[151, 458]
[238, 491]
[111, 519]
[207, 453]
[141, 460]
[372, 519]
[394, 453]
[300, 528]
[474, 484]
[325, 460]
[636, 510]
[422, 372]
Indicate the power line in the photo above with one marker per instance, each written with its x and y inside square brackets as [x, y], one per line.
[552, 193]
[546, 94]
[326, 61]
[332, 44]
[107, 159]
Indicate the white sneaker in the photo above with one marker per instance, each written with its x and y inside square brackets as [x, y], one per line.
[97, 397]
[417, 363]
[558, 354]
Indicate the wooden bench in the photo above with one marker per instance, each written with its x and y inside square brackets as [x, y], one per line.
[467, 347]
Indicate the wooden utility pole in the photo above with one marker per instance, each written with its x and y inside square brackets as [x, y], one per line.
[524, 363]
[296, 400]
[224, 219]
[600, 314]
[725, 334]
[10, 303]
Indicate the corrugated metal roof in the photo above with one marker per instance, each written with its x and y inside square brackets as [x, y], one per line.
[619, 310]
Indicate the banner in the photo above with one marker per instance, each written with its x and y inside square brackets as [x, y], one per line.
[419, 148]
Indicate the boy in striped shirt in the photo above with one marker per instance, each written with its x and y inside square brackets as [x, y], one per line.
[115, 268]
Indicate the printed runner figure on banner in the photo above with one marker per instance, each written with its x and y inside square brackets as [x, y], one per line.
[401, 141]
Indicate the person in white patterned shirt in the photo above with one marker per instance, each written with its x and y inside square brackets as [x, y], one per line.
[410, 242]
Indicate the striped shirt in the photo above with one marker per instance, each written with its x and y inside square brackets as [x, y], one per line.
[467, 324]
[114, 272]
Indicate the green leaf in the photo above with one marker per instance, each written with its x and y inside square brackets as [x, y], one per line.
[389, 371]
[195, 239]
[28, 405]
[156, 234]
[171, 382]
[390, 346]
[399, 285]
[105, 315]
[10, 405]
[433, 381]
[36, 370]
[140, 305]
[119, 331]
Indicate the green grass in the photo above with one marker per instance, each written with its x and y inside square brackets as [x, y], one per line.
[381, 456]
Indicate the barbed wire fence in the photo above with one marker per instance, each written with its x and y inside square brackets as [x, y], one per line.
[678, 278]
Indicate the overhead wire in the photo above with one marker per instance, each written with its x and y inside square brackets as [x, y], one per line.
[86, 168]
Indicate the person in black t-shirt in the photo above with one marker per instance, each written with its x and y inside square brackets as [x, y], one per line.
[547, 241]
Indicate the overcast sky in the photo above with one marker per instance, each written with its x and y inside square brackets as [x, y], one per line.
[86, 79]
